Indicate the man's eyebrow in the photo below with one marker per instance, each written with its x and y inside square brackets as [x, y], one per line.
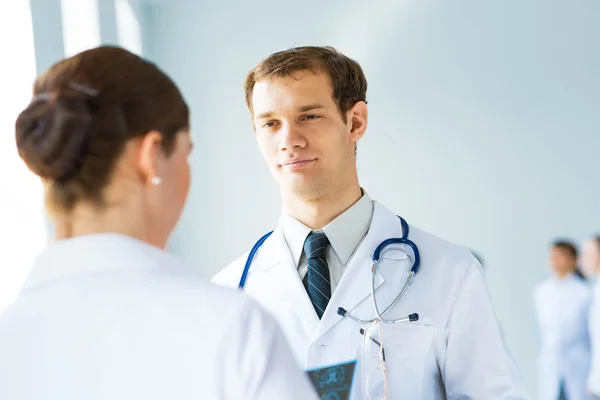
[310, 107]
[264, 115]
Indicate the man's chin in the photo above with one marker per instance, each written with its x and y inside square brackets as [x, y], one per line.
[306, 189]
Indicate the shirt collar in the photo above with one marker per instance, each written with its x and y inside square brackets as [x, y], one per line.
[344, 233]
[567, 279]
[92, 253]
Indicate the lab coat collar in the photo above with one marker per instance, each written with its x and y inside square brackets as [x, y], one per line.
[566, 279]
[274, 267]
[355, 285]
[94, 253]
[269, 254]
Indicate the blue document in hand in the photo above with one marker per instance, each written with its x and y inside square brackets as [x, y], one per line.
[333, 382]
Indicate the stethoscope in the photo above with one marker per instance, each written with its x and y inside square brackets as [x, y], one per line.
[379, 315]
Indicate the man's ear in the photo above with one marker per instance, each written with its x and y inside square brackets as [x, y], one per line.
[148, 155]
[358, 116]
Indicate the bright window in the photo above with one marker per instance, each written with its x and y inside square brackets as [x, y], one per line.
[128, 26]
[22, 228]
[81, 25]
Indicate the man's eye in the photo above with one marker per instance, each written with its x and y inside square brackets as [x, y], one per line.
[311, 116]
[268, 124]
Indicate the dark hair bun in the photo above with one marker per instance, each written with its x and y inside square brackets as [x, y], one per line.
[52, 135]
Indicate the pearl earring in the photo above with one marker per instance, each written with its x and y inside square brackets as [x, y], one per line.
[156, 181]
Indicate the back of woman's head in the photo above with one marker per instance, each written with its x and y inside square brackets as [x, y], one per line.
[83, 112]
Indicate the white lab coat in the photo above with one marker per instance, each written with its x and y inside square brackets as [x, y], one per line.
[593, 382]
[108, 317]
[454, 351]
[562, 308]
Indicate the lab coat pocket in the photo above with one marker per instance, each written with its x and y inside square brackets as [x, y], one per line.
[396, 254]
[407, 346]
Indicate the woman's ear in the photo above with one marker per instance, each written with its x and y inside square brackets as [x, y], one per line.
[358, 116]
[148, 156]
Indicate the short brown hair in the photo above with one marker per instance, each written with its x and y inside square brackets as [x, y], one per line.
[347, 77]
[567, 246]
[85, 108]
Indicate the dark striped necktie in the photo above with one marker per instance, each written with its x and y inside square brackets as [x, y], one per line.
[317, 281]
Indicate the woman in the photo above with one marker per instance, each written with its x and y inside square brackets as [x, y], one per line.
[590, 257]
[590, 261]
[106, 313]
[561, 304]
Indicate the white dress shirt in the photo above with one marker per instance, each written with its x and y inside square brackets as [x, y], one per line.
[345, 233]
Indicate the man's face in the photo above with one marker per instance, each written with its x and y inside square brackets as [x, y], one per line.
[301, 134]
[561, 261]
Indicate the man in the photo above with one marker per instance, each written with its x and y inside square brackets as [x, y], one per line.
[309, 111]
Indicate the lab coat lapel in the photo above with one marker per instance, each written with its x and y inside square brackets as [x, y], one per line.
[284, 283]
[355, 285]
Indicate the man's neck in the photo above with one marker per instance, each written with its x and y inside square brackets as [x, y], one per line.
[563, 275]
[317, 213]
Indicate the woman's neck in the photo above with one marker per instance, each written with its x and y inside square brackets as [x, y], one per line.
[86, 219]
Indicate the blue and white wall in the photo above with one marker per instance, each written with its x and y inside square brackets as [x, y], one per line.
[484, 125]
[483, 121]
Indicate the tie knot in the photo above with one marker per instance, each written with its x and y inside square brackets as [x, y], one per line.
[316, 245]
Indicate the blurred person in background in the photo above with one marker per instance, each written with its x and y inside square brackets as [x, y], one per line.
[590, 258]
[106, 313]
[561, 306]
[590, 261]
